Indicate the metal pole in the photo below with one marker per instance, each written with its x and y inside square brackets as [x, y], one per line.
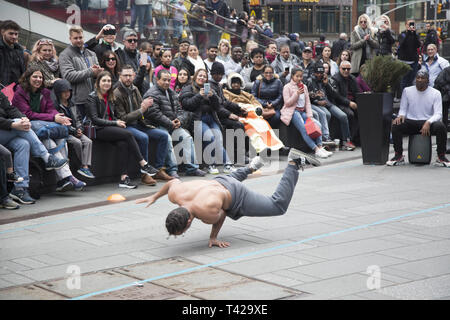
[435, 13]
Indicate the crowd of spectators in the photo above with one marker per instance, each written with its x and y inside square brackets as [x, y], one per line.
[148, 91]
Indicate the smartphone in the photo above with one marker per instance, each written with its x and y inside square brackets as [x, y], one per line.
[300, 85]
[109, 32]
[206, 87]
[411, 24]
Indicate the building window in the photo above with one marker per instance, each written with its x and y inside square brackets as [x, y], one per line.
[327, 19]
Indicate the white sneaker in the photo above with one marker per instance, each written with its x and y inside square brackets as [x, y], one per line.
[213, 170]
[256, 163]
[321, 153]
[327, 152]
[228, 168]
[297, 155]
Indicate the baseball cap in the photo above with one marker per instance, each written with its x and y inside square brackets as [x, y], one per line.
[307, 49]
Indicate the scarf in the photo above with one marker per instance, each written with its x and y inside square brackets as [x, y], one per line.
[362, 33]
[53, 64]
[198, 63]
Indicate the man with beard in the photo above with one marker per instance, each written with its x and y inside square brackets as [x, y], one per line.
[237, 61]
[181, 61]
[420, 112]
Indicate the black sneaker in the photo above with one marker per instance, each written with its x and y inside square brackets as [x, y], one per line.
[55, 163]
[126, 183]
[64, 185]
[13, 177]
[397, 160]
[148, 169]
[21, 195]
[9, 204]
[196, 173]
[296, 155]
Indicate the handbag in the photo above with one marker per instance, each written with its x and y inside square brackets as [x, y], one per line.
[312, 129]
[89, 129]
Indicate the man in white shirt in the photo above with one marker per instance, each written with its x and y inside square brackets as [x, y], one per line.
[420, 112]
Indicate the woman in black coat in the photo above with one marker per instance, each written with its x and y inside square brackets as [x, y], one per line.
[207, 111]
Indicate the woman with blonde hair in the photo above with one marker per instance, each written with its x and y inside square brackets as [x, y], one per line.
[224, 48]
[44, 57]
[363, 43]
[385, 35]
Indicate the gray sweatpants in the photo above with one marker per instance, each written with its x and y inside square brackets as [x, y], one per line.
[245, 202]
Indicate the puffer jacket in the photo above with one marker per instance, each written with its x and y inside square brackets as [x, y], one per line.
[96, 111]
[71, 110]
[163, 111]
[74, 68]
[268, 91]
[191, 100]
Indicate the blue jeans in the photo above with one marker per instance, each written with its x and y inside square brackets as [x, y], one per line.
[143, 135]
[212, 139]
[162, 27]
[324, 117]
[21, 143]
[298, 120]
[184, 144]
[342, 118]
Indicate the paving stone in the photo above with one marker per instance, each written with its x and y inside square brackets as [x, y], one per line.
[430, 267]
[145, 291]
[30, 263]
[28, 293]
[420, 251]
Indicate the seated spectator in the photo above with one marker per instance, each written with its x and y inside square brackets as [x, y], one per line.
[326, 69]
[268, 90]
[16, 136]
[224, 51]
[195, 58]
[207, 112]
[132, 109]
[433, 63]
[183, 79]
[326, 57]
[7, 158]
[236, 63]
[103, 114]
[345, 55]
[155, 58]
[181, 58]
[321, 94]
[211, 55]
[297, 108]
[166, 60]
[420, 112]
[307, 63]
[144, 77]
[62, 94]
[260, 133]
[129, 54]
[271, 52]
[166, 114]
[346, 87]
[103, 41]
[5, 201]
[12, 63]
[110, 62]
[35, 102]
[284, 63]
[362, 84]
[44, 57]
[250, 73]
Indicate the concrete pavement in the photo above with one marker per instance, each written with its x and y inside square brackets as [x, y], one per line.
[352, 231]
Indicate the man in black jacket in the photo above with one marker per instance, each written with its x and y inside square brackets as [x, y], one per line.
[432, 37]
[182, 61]
[442, 83]
[409, 42]
[345, 86]
[166, 114]
[339, 46]
[130, 54]
[12, 63]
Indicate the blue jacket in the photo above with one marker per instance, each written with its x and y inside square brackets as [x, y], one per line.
[268, 92]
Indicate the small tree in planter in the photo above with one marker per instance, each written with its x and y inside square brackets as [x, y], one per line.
[382, 74]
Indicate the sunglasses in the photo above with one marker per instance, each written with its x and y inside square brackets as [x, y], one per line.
[132, 40]
[45, 41]
[363, 21]
[346, 69]
[110, 59]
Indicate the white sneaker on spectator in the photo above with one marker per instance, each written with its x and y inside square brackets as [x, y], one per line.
[256, 163]
[212, 169]
[228, 168]
[321, 153]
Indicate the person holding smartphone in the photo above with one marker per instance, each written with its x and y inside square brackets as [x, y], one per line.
[409, 42]
[103, 41]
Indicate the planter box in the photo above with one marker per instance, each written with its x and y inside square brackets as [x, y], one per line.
[375, 118]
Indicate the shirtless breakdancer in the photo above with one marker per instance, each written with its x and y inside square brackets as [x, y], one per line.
[212, 200]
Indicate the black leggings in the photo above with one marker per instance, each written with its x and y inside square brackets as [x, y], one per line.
[124, 140]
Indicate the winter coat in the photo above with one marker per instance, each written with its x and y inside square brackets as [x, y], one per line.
[290, 97]
[386, 41]
[129, 57]
[442, 83]
[12, 63]
[7, 113]
[278, 66]
[268, 92]
[222, 11]
[357, 47]
[227, 104]
[341, 86]
[21, 101]
[314, 85]
[338, 46]
[97, 113]
[71, 110]
[74, 68]
[409, 42]
[99, 47]
[130, 113]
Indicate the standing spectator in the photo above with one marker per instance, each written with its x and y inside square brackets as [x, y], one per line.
[385, 36]
[442, 83]
[178, 19]
[284, 63]
[339, 45]
[433, 63]
[241, 28]
[103, 41]
[221, 11]
[62, 92]
[197, 24]
[34, 101]
[409, 43]
[250, 73]
[166, 60]
[271, 52]
[282, 40]
[12, 63]
[295, 45]
[420, 112]
[363, 43]
[79, 66]
[16, 135]
[167, 114]
[110, 62]
[432, 37]
[132, 109]
[326, 57]
[161, 16]
[130, 54]
[307, 63]
[181, 59]
[143, 15]
[44, 57]
[346, 87]
[267, 30]
[103, 114]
